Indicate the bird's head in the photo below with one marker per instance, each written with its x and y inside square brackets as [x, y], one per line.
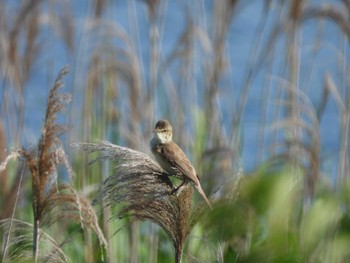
[163, 131]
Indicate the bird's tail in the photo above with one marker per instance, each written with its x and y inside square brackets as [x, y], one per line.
[200, 190]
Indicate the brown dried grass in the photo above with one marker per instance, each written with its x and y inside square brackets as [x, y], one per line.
[141, 190]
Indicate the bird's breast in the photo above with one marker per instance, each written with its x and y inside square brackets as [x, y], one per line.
[156, 149]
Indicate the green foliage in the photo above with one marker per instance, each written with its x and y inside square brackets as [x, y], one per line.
[269, 222]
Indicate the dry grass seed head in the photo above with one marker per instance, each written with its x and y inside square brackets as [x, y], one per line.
[141, 190]
[43, 163]
[64, 203]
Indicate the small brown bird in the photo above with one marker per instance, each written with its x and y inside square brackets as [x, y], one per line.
[171, 158]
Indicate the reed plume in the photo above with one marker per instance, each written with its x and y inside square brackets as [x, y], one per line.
[141, 190]
[307, 141]
[42, 163]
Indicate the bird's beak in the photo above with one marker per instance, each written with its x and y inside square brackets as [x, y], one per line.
[153, 130]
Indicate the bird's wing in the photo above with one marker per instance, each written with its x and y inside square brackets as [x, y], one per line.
[177, 159]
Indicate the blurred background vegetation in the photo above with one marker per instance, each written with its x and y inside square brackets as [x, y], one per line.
[258, 95]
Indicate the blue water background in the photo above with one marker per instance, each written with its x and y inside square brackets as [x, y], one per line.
[240, 37]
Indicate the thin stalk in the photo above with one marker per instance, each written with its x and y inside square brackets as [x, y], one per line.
[36, 239]
[154, 60]
[154, 244]
[13, 215]
[178, 254]
[134, 241]
[343, 154]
